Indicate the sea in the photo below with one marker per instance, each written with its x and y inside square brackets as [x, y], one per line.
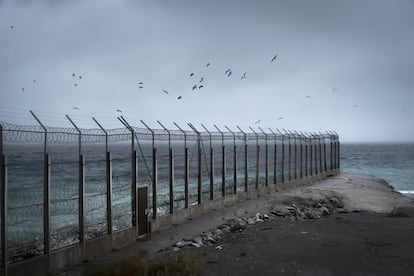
[393, 162]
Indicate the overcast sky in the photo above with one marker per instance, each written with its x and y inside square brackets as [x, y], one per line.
[346, 66]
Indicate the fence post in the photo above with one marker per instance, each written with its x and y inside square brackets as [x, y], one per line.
[199, 176]
[295, 155]
[186, 166]
[283, 156]
[257, 158]
[274, 156]
[324, 152]
[338, 150]
[108, 172]
[234, 160]
[223, 163]
[81, 191]
[266, 158]
[300, 154]
[246, 172]
[134, 194]
[154, 183]
[170, 169]
[4, 228]
[289, 156]
[211, 165]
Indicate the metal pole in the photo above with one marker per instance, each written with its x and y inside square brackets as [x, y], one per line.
[154, 183]
[283, 155]
[170, 168]
[46, 194]
[274, 157]
[81, 183]
[266, 159]
[306, 153]
[300, 155]
[338, 149]
[211, 165]
[234, 160]
[289, 156]
[108, 181]
[134, 192]
[295, 155]
[257, 158]
[199, 175]
[324, 151]
[246, 173]
[223, 163]
[4, 228]
[186, 166]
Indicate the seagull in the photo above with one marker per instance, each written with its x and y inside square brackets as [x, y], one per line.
[34, 80]
[273, 58]
[244, 76]
[202, 79]
[191, 74]
[179, 98]
[73, 75]
[140, 87]
[258, 121]
[75, 84]
[11, 27]
[80, 77]
[75, 107]
[119, 110]
[165, 91]
[279, 118]
[208, 64]
[22, 89]
[200, 86]
[355, 105]
[308, 97]
[229, 74]
[334, 89]
[140, 83]
[227, 71]
[194, 86]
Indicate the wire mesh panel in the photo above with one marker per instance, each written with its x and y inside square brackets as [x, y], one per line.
[25, 199]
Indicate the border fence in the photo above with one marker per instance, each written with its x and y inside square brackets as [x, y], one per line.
[68, 188]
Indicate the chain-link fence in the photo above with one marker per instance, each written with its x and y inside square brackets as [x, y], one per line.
[62, 186]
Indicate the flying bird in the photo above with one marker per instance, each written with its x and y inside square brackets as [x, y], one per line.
[34, 80]
[75, 84]
[73, 75]
[165, 91]
[208, 64]
[194, 86]
[227, 72]
[11, 27]
[191, 74]
[140, 87]
[334, 89]
[119, 110]
[308, 97]
[279, 118]
[140, 83]
[202, 79]
[75, 107]
[179, 98]
[244, 76]
[200, 86]
[80, 77]
[22, 89]
[258, 121]
[273, 58]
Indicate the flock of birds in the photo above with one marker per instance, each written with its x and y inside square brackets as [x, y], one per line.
[196, 86]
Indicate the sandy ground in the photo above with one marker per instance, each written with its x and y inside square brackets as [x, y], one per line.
[356, 237]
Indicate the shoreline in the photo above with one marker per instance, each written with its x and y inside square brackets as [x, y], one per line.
[341, 195]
